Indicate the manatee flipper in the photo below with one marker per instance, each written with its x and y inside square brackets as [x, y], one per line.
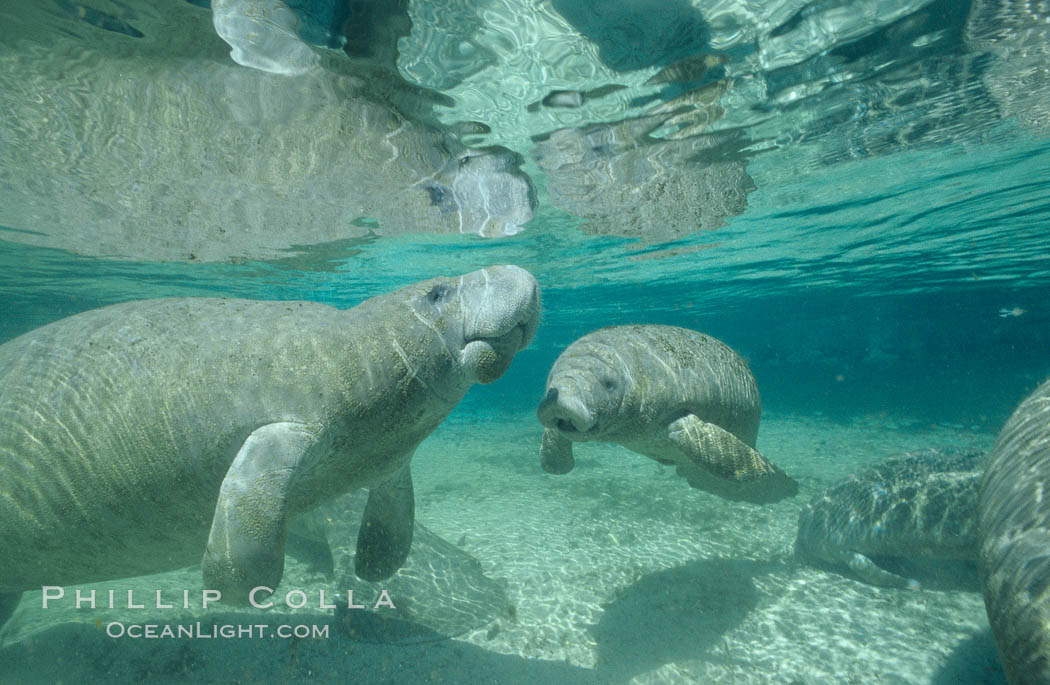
[308, 542]
[385, 536]
[556, 452]
[246, 543]
[867, 571]
[725, 465]
[717, 450]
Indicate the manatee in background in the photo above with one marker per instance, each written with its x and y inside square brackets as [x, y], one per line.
[919, 504]
[138, 436]
[675, 395]
[1014, 514]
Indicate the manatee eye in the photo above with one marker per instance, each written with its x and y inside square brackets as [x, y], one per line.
[464, 161]
[437, 294]
[608, 383]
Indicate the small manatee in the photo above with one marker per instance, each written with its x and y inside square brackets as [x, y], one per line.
[674, 395]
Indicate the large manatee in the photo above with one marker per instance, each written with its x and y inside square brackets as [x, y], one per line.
[675, 395]
[1014, 535]
[139, 436]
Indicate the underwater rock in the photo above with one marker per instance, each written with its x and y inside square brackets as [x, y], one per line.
[1014, 513]
[677, 396]
[160, 148]
[626, 183]
[137, 437]
[920, 504]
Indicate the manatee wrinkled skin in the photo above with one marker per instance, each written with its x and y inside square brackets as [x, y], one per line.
[920, 504]
[672, 394]
[138, 436]
[1014, 536]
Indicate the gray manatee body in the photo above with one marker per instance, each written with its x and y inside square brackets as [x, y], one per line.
[914, 505]
[1014, 535]
[139, 436]
[672, 394]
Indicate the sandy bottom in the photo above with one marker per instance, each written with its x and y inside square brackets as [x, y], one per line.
[615, 573]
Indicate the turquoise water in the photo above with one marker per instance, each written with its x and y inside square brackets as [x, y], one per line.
[854, 196]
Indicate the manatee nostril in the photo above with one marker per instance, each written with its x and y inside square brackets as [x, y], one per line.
[565, 412]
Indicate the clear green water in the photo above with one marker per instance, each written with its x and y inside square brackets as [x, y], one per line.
[854, 196]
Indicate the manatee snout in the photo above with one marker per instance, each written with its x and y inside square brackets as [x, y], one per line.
[565, 411]
[503, 314]
[504, 300]
[563, 415]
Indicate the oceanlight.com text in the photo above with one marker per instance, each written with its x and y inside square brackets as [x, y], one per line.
[227, 631]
